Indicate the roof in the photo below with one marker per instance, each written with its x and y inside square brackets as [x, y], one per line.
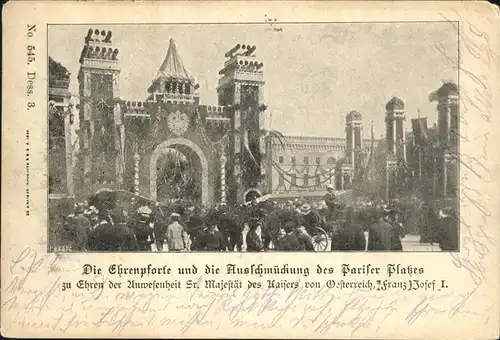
[172, 66]
[448, 88]
[353, 115]
[395, 104]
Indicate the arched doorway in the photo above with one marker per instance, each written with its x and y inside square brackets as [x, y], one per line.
[194, 156]
[178, 176]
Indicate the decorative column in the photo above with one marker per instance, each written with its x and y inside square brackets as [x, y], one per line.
[394, 138]
[120, 131]
[403, 139]
[222, 175]
[419, 151]
[68, 122]
[137, 159]
[88, 129]
[341, 180]
[387, 182]
[353, 146]
[391, 177]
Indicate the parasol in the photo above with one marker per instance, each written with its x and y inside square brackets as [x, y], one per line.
[103, 197]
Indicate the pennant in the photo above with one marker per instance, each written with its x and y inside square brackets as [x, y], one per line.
[420, 131]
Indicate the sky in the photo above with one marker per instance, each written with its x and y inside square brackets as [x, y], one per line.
[315, 73]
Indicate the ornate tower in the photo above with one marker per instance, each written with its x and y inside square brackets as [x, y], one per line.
[241, 87]
[448, 128]
[396, 148]
[354, 140]
[173, 83]
[101, 123]
[395, 132]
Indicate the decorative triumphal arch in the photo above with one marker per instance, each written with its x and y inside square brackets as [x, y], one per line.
[124, 144]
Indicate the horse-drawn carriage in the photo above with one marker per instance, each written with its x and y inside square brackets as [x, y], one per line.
[273, 220]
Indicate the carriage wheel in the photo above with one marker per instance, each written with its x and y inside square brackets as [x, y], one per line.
[320, 239]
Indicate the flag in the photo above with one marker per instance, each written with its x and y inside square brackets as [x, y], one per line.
[420, 131]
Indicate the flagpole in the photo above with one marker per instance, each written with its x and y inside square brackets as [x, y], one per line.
[419, 149]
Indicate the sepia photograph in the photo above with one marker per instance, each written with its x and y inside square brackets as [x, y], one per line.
[173, 169]
[265, 137]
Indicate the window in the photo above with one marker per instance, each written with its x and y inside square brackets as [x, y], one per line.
[306, 160]
[318, 160]
[280, 159]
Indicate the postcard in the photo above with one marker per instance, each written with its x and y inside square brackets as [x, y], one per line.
[260, 170]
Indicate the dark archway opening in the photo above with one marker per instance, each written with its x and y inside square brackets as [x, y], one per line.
[179, 176]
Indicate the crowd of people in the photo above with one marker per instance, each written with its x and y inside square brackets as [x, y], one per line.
[260, 225]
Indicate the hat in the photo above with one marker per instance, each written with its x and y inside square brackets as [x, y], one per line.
[329, 186]
[144, 210]
[175, 215]
[305, 209]
[79, 208]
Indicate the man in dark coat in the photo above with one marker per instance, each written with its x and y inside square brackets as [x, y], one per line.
[397, 231]
[109, 237]
[349, 236]
[141, 225]
[212, 239]
[289, 242]
[159, 226]
[310, 219]
[379, 234]
[82, 230]
[253, 239]
[229, 228]
[330, 201]
[448, 230]
[428, 224]
[194, 228]
[127, 236]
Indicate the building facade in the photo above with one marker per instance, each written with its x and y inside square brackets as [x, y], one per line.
[61, 138]
[305, 166]
[123, 144]
[126, 145]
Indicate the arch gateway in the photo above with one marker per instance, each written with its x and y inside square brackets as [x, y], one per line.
[123, 142]
[173, 143]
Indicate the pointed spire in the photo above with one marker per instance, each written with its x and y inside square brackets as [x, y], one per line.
[172, 66]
